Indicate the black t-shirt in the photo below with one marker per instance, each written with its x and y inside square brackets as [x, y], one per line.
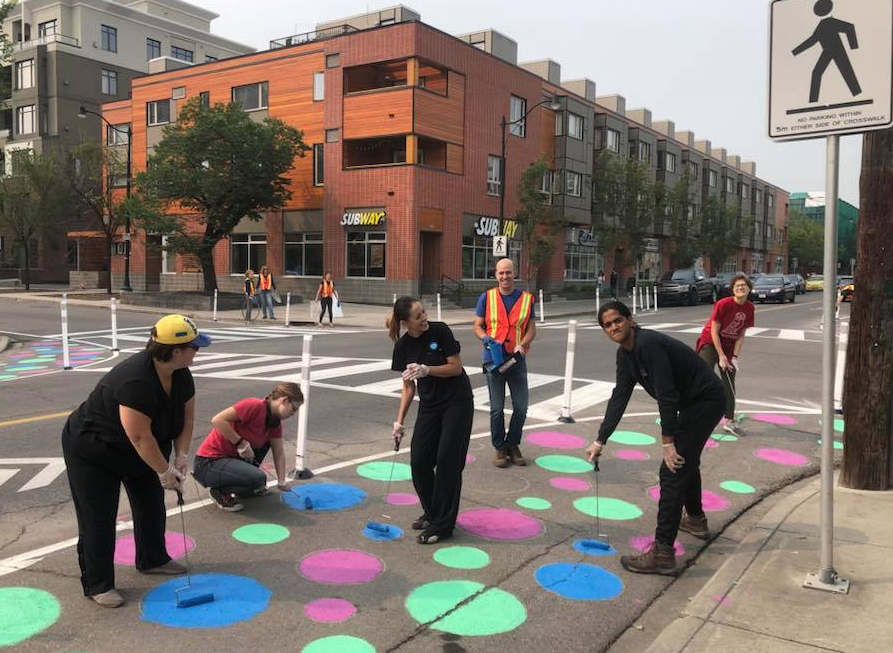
[134, 383]
[431, 348]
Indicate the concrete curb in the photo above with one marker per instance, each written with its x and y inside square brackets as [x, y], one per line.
[4, 343]
[677, 635]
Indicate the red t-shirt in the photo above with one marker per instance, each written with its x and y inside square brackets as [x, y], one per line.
[250, 424]
[733, 318]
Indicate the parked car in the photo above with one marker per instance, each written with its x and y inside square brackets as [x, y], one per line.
[815, 282]
[773, 288]
[721, 282]
[799, 283]
[844, 280]
[847, 290]
[690, 286]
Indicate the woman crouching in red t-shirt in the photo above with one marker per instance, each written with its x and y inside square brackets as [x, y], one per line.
[721, 340]
[228, 461]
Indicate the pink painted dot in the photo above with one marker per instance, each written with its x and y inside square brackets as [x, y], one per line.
[711, 444]
[401, 499]
[469, 459]
[499, 524]
[642, 542]
[556, 440]
[125, 547]
[772, 418]
[722, 600]
[341, 567]
[710, 501]
[782, 457]
[329, 611]
[569, 484]
[630, 454]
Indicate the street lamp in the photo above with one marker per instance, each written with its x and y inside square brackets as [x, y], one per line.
[82, 113]
[553, 104]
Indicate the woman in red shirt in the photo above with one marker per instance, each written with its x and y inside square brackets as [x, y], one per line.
[721, 340]
[228, 461]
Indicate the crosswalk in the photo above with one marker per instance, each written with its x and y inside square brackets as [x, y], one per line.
[799, 335]
[219, 334]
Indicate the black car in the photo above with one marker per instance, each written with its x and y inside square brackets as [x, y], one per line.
[799, 283]
[773, 288]
[722, 281]
[690, 286]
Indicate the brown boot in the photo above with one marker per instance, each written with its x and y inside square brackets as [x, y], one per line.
[657, 559]
[502, 459]
[515, 454]
[696, 526]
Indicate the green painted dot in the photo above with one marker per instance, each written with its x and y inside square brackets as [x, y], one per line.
[381, 471]
[488, 613]
[35, 360]
[632, 438]
[564, 464]
[608, 508]
[339, 644]
[462, 557]
[657, 421]
[724, 437]
[534, 503]
[838, 445]
[25, 611]
[26, 368]
[838, 425]
[3, 377]
[261, 533]
[737, 487]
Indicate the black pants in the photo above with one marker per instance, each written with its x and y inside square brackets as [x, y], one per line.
[683, 488]
[325, 303]
[440, 440]
[96, 471]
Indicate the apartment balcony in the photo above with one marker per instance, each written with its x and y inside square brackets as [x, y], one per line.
[403, 110]
[46, 40]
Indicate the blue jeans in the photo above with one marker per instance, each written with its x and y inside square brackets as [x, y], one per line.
[232, 475]
[266, 302]
[516, 378]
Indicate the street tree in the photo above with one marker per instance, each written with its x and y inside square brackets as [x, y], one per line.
[722, 228]
[6, 7]
[213, 167]
[806, 241]
[536, 220]
[868, 381]
[676, 203]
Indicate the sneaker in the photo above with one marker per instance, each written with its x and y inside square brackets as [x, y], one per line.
[169, 568]
[225, 501]
[514, 453]
[421, 523]
[261, 491]
[502, 459]
[657, 559]
[109, 599]
[734, 428]
[433, 537]
[696, 526]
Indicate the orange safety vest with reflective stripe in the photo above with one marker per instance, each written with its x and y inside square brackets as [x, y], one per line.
[327, 288]
[508, 328]
[265, 282]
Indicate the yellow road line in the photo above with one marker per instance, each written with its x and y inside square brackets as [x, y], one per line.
[36, 418]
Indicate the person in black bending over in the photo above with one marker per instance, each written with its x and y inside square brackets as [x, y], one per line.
[691, 401]
[427, 354]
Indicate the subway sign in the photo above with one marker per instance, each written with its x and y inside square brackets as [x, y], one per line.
[490, 227]
[363, 218]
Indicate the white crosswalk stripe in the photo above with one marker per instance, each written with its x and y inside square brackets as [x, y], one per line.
[792, 334]
[800, 335]
[219, 334]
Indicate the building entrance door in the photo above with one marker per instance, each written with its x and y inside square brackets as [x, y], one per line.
[429, 262]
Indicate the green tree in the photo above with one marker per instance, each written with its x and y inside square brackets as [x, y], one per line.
[806, 241]
[536, 220]
[220, 166]
[677, 203]
[6, 7]
[722, 228]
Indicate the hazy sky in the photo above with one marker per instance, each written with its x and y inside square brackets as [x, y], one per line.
[699, 63]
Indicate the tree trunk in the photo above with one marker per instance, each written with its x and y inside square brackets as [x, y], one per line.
[206, 258]
[109, 243]
[868, 382]
[27, 249]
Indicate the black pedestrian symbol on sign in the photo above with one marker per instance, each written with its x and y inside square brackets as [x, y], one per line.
[500, 244]
[828, 35]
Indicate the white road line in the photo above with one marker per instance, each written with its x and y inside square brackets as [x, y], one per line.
[6, 474]
[582, 398]
[661, 325]
[691, 330]
[791, 334]
[753, 331]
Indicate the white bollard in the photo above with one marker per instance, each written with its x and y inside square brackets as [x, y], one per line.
[655, 299]
[647, 299]
[569, 373]
[634, 300]
[287, 309]
[598, 301]
[114, 324]
[214, 316]
[439, 317]
[542, 307]
[301, 471]
[395, 299]
[66, 360]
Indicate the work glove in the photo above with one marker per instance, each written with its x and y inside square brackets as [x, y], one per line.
[415, 371]
[171, 479]
[735, 364]
[284, 486]
[181, 463]
[245, 451]
[398, 433]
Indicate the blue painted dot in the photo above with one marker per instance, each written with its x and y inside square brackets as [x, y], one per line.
[393, 533]
[236, 598]
[580, 582]
[324, 497]
[580, 546]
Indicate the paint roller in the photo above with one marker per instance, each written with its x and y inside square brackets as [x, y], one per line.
[595, 543]
[379, 526]
[184, 599]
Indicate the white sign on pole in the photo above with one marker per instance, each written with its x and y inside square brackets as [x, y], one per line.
[500, 246]
[830, 67]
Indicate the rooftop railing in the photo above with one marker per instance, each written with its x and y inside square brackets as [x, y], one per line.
[44, 40]
[310, 37]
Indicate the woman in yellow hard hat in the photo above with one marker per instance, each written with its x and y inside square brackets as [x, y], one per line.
[124, 433]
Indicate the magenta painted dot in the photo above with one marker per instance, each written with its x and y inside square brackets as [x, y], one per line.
[711, 501]
[711, 444]
[569, 484]
[722, 600]
[329, 611]
[125, 547]
[341, 567]
[630, 454]
[643, 542]
[469, 459]
[401, 499]
[782, 457]
[772, 418]
[556, 440]
[499, 524]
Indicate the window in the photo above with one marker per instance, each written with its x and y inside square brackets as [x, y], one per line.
[109, 82]
[559, 123]
[670, 162]
[251, 96]
[117, 135]
[178, 92]
[612, 140]
[730, 185]
[319, 86]
[109, 38]
[158, 112]
[770, 201]
[477, 256]
[153, 49]
[479, 42]
[366, 253]
[693, 169]
[303, 254]
[247, 251]
[210, 58]
[757, 196]
[333, 135]
[46, 29]
[182, 54]
[712, 178]
[494, 175]
[517, 111]
[24, 73]
[318, 169]
[204, 99]
[745, 191]
[333, 60]
[575, 126]
[168, 259]
[580, 263]
[26, 119]
[643, 151]
[573, 183]
[546, 185]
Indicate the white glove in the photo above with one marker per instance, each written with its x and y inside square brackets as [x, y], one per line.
[284, 486]
[181, 463]
[171, 479]
[415, 371]
[245, 450]
[723, 362]
[735, 364]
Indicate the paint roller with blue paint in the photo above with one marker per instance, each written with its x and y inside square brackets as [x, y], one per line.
[500, 362]
[594, 543]
[379, 526]
[183, 596]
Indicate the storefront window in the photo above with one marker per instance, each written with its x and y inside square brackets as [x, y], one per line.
[366, 253]
[247, 251]
[580, 263]
[477, 257]
[303, 254]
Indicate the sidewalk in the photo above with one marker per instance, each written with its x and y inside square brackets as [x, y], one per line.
[756, 601]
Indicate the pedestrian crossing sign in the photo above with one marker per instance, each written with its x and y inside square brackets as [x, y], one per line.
[500, 246]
